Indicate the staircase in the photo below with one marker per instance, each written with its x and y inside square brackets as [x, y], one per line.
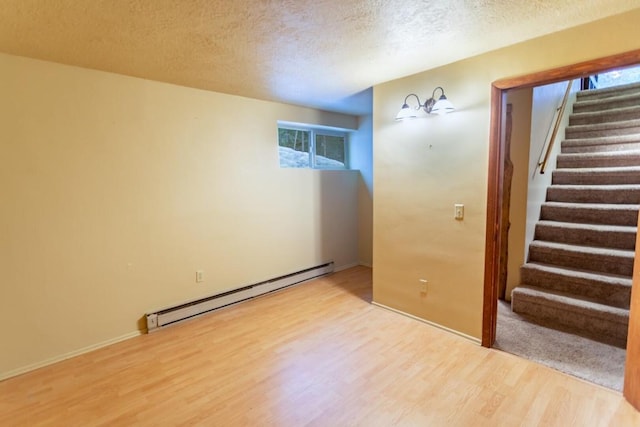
[578, 276]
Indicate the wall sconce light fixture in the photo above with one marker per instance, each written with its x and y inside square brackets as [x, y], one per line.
[431, 106]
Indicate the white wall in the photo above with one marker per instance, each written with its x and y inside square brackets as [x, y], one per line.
[361, 158]
[546, 100]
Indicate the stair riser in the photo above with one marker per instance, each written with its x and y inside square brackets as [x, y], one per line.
[566, 148]
[590, 95]
[604, 117]
[611, 264]
[590, 216]
[612, 331]
[604, 104]
[607, 293]
[569, 162]
[595, 178]
[601, 148]
[615, 140]
[595, 238]
[594, 195]
[600, 131]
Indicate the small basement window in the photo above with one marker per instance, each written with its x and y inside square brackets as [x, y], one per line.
[310, 147]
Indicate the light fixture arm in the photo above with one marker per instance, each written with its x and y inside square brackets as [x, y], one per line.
[405, 105]
[431, 105]
[433, 95]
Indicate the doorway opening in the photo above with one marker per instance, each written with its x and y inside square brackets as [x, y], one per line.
[495, 193]
[551, 288]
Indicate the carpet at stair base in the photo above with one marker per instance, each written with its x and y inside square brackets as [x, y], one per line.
[613, 290]
[590, 360]
[598, 321]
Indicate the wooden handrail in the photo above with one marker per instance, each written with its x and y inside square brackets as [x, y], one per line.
[556, 127]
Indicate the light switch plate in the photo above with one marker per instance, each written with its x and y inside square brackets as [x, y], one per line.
[458, 211]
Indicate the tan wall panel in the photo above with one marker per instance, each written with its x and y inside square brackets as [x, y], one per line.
[520, 136]
[423, 167]
[115, 190]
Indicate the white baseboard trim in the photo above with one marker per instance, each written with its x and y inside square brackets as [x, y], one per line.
[60, 358]
[428, 322]
[345, 266]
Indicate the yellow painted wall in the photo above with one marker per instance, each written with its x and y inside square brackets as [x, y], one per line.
[423, 167]
[115, 190]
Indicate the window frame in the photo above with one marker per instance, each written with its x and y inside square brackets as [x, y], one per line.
[315, 131]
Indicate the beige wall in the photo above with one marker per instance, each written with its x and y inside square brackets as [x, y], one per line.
[423, 167]
[520, 100]
[115, 190]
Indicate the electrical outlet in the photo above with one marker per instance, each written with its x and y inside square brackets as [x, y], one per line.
[199, 276]
[423, 285]
[458, 211]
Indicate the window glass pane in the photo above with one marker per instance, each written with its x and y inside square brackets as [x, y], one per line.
[619, 77]
[330, 151]
[294, 148]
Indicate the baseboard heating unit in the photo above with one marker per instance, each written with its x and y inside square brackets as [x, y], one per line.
[191, 309]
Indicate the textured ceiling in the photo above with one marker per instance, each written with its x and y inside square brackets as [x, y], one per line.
[319, 53]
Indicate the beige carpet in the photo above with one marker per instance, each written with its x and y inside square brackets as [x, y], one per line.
[584, 358]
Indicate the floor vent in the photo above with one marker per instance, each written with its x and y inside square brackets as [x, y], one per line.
[191, 309]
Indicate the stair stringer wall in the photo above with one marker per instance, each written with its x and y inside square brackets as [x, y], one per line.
[528, 185]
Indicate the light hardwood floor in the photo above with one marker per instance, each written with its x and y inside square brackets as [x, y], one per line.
[316, 354]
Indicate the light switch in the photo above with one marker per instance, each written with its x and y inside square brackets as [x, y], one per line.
[458, 211]
[423, 285]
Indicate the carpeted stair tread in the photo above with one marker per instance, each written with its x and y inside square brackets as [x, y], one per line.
[613, 175]
[597, 176]
[599, 148]
[591, 213]
[610, 194]
[601, 311]
[591, 94]
[596, 130]
[628, 142]
[603, 321]
[606, 116]
[598, 159]
[598, 235]
[611, 289]
[588, 258]
[593, 250]
[616, 100]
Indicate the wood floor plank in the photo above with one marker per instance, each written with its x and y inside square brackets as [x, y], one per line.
[317, 354]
